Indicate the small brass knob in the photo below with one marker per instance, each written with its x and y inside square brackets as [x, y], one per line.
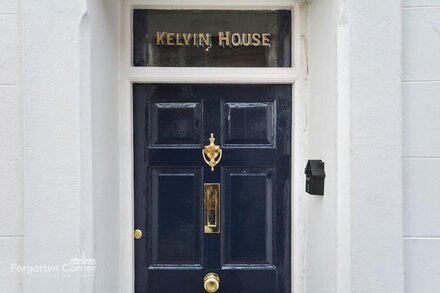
[137, 234]
[211, 282]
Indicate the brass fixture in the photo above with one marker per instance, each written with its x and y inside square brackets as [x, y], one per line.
[212, 208]
[137, 234]
[211, 282]
[212, 153]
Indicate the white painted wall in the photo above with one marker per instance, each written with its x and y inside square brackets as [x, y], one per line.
[105, 18]
[376, 146]
[321, 133]
[11, 145]
[52, 139]
[71, 138]
[421, 144]
[354, 233]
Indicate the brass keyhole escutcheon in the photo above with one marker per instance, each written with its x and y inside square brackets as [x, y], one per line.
[137, 234]
[211, 282]
[212, 153]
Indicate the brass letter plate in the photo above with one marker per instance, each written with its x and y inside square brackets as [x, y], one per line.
[212, 208]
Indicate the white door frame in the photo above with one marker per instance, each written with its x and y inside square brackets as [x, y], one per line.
[297, 76]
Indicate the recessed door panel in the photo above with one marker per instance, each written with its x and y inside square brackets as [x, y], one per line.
[175, 217]
[175, 124]
[212, 188]
[248, 209]
[249, 124]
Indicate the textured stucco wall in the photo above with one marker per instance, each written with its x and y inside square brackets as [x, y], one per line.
[11, 145]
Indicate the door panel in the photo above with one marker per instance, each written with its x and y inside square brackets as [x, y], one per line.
[175, 217]
[175, 124]
[248, 210]
[252, 125]
[248, 124]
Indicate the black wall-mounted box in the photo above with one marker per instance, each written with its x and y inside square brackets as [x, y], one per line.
[315, 177]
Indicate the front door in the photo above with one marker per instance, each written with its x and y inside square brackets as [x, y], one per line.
[216, 220]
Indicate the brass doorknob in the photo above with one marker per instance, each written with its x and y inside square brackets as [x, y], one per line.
[137, 234]
[211, 282]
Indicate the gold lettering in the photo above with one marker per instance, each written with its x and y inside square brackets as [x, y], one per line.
[159, 38]
[256, 40]
[236, 40]
[178, 40]
[223, 39]
[205, 39]
[186, 39]
[246, 39]
[170, 39]
[266, 39]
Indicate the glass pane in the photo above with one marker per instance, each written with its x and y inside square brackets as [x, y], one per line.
[212, 38]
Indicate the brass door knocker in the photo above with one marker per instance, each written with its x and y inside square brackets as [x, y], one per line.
[212, 153]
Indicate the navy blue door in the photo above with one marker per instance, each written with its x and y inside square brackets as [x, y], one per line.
[252, 125]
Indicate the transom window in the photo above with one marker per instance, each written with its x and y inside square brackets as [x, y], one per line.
[212, 38]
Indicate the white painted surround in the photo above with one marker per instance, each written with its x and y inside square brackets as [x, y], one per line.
[69, 158]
